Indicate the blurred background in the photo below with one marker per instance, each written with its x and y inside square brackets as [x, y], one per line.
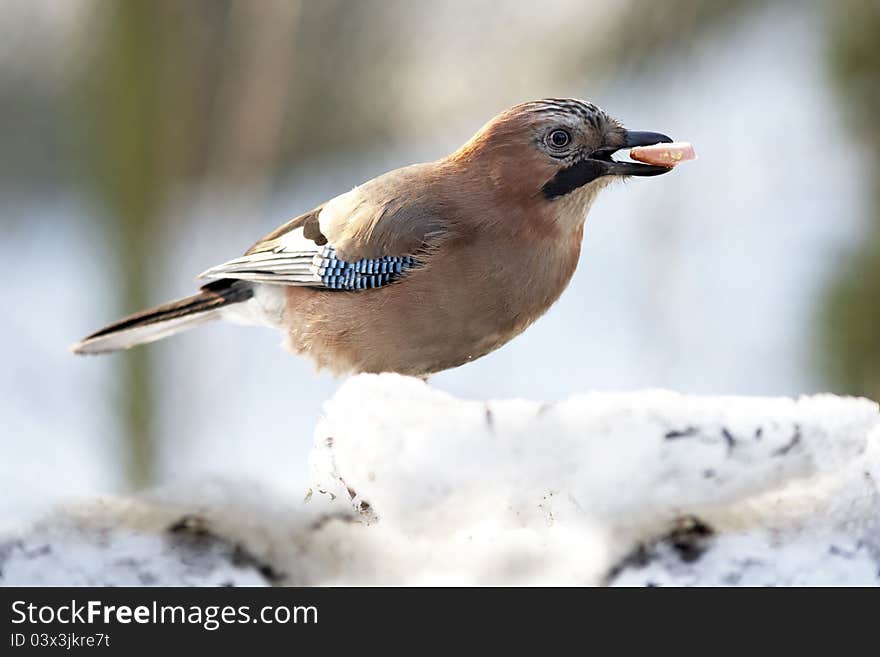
[144, 141]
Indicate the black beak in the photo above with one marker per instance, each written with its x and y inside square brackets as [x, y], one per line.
[632, 138]
[637, 138]
[600, 163]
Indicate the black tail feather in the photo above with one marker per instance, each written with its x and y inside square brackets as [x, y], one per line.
[155, 323]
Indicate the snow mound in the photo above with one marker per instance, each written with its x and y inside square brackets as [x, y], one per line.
[413, 486]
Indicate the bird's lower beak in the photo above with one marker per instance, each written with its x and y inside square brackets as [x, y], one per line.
[632, 138]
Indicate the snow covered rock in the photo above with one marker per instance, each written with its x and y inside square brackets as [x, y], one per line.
[633, 488]
[218, 532]
[413, 486]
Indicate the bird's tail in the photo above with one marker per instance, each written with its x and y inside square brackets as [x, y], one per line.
[168, 319]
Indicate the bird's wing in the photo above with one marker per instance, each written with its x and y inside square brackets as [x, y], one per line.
[352, 242]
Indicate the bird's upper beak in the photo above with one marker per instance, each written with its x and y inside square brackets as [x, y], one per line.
[631, 138]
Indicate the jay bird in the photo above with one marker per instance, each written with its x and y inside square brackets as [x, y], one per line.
[426, 267]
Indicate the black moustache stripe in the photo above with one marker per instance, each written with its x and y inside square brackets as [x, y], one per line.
[571, 178]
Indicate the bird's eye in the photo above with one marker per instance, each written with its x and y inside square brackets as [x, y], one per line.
[559, 138]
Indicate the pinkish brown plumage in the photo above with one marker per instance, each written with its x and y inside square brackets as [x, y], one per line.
[426, 267]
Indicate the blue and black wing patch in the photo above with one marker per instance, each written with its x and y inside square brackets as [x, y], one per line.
[362, 274]
[314, 266]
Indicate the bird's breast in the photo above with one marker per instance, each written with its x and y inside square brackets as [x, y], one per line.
[506, 287]
[469, 298]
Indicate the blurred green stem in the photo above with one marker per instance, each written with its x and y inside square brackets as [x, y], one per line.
[849, 344]
[137, 382]
[124, 149]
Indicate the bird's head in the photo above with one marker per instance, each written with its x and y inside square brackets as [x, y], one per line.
[556, 151]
